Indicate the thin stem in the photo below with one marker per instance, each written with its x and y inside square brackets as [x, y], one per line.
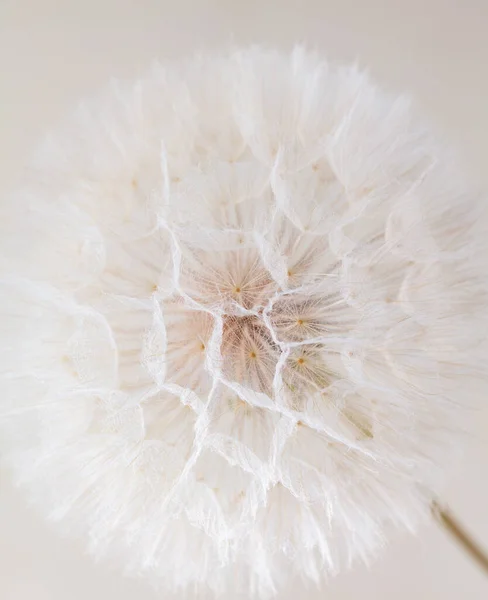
[454, 528]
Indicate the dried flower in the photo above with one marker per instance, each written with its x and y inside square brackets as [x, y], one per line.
[241, 303]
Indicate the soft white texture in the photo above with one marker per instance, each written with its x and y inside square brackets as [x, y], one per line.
[242, 305]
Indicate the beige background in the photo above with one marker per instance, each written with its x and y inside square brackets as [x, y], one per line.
[54, 51]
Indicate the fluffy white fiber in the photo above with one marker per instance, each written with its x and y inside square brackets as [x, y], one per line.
[241, 309]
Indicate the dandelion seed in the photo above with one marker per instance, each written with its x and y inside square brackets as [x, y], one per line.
[244, 361]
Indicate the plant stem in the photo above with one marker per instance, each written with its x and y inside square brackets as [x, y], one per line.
[457, 531]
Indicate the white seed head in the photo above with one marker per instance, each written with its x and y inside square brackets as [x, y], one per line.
[242, 304]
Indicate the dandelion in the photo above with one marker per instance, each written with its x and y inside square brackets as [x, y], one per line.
[242, 301]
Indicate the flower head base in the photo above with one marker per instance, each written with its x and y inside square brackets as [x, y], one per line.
[240, 300]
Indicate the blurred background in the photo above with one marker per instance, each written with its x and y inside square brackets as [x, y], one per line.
[52, 52]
